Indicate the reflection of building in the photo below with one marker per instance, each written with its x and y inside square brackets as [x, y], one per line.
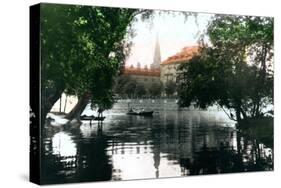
[169, 67]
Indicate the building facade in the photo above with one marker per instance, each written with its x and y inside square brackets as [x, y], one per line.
[145, 75]
[161, 71]
[169, 67]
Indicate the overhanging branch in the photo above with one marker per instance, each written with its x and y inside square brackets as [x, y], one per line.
[229, 116]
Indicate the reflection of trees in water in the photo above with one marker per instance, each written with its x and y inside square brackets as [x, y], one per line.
[249, 156]
[189, 142]
[156, 158]
[95, 162]
[90, 163]
[201, 148]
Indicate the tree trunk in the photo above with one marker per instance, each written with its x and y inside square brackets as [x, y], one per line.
[79, 107]
[261, 82]
[238, 115]
[243, 113]
[60, 103]
[257, 112]
[47, 103]
[65, 102]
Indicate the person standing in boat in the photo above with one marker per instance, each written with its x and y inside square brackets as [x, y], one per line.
[131, 109]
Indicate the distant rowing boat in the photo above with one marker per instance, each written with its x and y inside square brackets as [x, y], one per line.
[131, 111]
[141, 113]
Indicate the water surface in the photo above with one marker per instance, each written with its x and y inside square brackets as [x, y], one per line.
[170, 144]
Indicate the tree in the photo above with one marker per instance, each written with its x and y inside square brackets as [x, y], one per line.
[119, 86]
[140, 90]
[170, 88]
[155, 89]
[103, 102]
[130, 88]
[83, 48]
[235, 72]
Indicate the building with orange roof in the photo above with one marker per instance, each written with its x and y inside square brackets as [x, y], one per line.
[169, 67]
[145, 75]
[160, 72]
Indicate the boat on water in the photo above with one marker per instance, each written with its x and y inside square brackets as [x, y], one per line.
[140, 113]
[92, 118]
[132, 111]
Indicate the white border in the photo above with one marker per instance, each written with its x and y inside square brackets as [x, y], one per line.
[14, 108]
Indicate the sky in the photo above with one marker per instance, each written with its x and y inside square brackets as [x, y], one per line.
[173, 31]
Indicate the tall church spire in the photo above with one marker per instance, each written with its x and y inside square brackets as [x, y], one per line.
[157, 55]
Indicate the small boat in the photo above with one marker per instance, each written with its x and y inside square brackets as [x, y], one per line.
[91, 118]
[141, 113]
[132, 111]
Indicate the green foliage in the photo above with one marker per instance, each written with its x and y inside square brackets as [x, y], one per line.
[83, 48]
[126, 86]
[155, 89]
[120, 83]
[236, 70]
[170, 88]
[140, 90]
[104, 102]
[130, 88]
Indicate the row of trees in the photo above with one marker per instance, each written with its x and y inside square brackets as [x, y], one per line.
[127, 86]
[235, 71]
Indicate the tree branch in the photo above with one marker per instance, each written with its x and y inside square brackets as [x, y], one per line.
[228, 114]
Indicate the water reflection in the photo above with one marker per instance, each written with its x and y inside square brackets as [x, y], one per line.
[63, 145]
[167, 145]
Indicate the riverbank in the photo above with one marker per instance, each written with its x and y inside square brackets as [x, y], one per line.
[155, 104]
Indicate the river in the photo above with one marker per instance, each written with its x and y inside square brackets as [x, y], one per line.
[172, 143]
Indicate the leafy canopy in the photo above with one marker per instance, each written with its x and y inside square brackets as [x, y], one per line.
[84, 47]
[235, 71]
